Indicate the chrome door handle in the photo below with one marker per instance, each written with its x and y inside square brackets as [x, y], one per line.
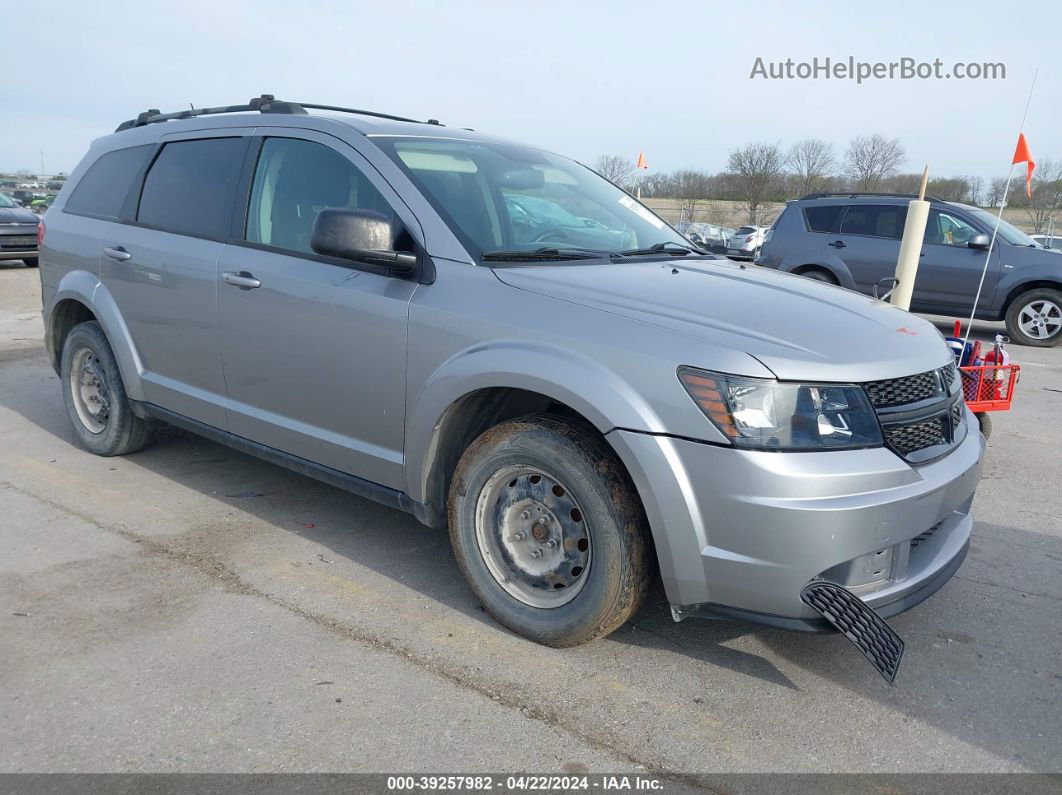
[117, 253]
[243, 280]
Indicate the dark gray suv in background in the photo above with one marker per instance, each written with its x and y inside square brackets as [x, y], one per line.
[853, 240]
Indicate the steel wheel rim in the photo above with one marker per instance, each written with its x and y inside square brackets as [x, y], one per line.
[533, 536]
[88, 388]
[1040, 319]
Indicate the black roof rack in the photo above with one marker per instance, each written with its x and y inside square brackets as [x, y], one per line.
[266, 103]
[848, 194]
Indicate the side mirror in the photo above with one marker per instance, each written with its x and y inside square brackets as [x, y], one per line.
[362, 235]
[979, 241]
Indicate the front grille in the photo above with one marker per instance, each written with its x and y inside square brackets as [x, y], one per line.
[906, 439]
[909, 389]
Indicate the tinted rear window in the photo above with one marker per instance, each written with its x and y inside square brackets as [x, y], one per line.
[745, 230]
[824, 217]
[875, 220]
[103, 189]
[191, 186]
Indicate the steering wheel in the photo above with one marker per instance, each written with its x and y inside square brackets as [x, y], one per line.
[552, 235]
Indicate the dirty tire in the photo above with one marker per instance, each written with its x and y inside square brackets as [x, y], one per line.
[1037, 298]
[984, 420]
[575, 455]
[123, 431]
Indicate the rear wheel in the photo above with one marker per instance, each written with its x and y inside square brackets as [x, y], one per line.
[95, 395]
[1035, 318]
[30, 262]
[819, 275]
[548, 530]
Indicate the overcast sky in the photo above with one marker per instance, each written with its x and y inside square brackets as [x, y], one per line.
[580, 78]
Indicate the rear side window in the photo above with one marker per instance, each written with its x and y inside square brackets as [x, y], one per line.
[875, 220]
[103, 189]
[824, 217]
[191, 186]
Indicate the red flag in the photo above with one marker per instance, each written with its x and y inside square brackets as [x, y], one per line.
[1023, 155]
[641, 161]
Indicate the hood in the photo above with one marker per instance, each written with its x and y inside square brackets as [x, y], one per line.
[17, 214]
[799, 328]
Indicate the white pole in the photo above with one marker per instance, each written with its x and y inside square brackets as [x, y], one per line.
[999, 218]
[914, 231]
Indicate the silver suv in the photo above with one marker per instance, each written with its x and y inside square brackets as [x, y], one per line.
[496, 340]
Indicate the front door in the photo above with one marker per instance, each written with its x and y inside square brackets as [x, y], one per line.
[949, 270]
[314, 349]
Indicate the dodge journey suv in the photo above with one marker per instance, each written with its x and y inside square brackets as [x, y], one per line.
[853, 240]
[497, 340]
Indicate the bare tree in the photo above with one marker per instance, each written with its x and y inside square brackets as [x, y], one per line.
[689, 188]
[977, 190]
[1046, 199]
[810, 161]
[870, 159]
[615, 168]
[994, 194]
[755, 171]
[950, 189]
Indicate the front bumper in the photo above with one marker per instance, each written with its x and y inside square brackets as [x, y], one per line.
[738, 533]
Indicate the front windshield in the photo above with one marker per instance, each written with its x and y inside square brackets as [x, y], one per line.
[513, 199]
[7, 201]
[1007, 231]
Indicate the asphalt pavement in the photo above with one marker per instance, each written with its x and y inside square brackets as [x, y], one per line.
[189, 608]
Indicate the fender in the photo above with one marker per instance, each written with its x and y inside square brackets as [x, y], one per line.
[585, 385]
[86, 288]
[1022, 278]
[836, 266]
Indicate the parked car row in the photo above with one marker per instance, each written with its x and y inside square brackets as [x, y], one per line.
[18, 232]
[712, 237]
[853, 240]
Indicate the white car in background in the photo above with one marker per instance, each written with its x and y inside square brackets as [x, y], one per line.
[1053, 242]
[746, 242]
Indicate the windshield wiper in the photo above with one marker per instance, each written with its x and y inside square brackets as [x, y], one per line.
[544, 253]
[667, 247]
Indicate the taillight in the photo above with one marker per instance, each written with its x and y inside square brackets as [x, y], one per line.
[40, 235]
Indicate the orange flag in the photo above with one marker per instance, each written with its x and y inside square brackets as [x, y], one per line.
[643, 164]
[1023, 155]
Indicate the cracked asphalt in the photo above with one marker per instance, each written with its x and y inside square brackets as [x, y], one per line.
[189, 608]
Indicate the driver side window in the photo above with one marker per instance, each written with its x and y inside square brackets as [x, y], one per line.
[945, 229]
[293, 182]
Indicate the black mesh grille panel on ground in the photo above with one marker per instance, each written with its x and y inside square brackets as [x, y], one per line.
[847, 613]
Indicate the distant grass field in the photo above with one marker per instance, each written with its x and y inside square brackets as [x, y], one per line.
[729, 213]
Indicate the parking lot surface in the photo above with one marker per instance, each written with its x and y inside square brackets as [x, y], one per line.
[190, 608]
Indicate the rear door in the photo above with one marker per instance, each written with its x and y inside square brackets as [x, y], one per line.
[949, 270]
[161, 268]
[868, 242]
[315, 355]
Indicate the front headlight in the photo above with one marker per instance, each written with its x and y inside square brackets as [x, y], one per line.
[775, 415]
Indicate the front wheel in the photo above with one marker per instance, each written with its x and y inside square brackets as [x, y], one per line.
[1035, 318]
[548, 530]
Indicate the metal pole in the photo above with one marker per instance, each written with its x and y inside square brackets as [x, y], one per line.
[999, 219]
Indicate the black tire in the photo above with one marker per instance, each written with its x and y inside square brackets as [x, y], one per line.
[609, 518]
[31, 262]
[122, 432]
[819, 275]
[1028, 301]
[984, 420]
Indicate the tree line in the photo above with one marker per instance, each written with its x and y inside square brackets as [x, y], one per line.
[758, 174]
